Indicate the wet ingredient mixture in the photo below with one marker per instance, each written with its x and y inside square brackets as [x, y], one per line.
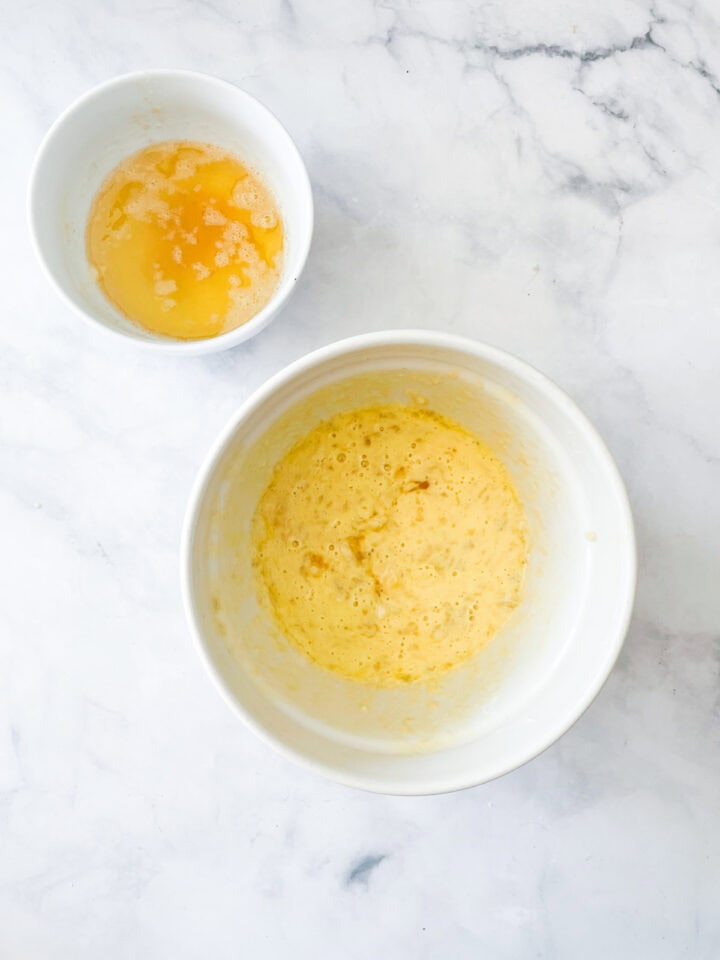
[390, 545]
[185, 240]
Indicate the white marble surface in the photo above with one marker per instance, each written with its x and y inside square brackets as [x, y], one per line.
[545, 176]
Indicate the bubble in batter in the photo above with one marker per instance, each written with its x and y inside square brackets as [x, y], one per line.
[390, 545]
[185, 240]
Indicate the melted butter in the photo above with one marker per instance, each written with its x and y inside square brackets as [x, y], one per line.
[390, 545]
[185, 240]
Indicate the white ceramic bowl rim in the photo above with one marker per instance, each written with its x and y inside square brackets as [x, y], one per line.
[531, 375]
[167, 345]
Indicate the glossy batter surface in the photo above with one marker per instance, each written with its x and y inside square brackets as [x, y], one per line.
[390, 545]
[185, 240]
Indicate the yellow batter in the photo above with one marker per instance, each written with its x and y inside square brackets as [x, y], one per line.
[390, 545]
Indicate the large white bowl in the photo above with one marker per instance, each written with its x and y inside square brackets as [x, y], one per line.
[124, 115]
[533, 680]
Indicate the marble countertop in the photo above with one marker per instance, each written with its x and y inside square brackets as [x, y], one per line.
[543, 176]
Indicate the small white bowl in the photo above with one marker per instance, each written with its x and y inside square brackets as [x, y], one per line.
[124, 115]
[538, 674]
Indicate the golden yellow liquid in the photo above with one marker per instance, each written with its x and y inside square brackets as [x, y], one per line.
[185, 240]
[390, 545]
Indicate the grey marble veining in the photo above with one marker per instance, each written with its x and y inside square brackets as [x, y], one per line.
[545, 177]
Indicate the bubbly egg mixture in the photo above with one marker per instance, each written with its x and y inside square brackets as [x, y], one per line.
[390, 545]
[185, 240]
